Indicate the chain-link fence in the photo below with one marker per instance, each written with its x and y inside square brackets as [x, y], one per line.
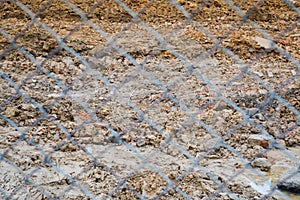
[150, 99]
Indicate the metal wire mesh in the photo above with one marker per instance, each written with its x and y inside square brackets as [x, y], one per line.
[149, 99]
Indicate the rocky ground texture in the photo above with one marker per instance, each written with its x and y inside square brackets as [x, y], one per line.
[149, 120]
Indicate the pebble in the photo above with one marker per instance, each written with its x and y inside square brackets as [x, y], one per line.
[140, 142]
[261, 140]
[68, 61]
[10, 112]
[270, 74]
[262, 163]
[291, 185]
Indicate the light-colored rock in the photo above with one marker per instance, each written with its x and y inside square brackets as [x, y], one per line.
[262, 163]
[261, 140]
[140, 142]
[292, 184]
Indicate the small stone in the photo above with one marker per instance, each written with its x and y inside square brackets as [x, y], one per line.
[56, 136]
[252, 111]
[224, 195]
[293, 72]
[291, 185]
[210, 144]
[113, 139]
[280, 143]
[82, 67]
[10, 112]
[261, 140]
[270, 74]
[221, 105]
[68, 61]
[140, 142]
[126, 138]
[262, 163]
[258, 116]
[259, 74]
[172, 175]
[26, 106]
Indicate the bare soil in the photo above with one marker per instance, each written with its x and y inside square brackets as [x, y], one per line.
[159, 121]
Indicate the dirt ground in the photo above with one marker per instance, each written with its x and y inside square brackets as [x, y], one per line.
[149, 120]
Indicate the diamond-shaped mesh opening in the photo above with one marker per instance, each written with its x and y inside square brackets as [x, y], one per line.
[21, 112]
[141, 91]
[98, 179]
[112, 12]
[271, 13]
[195, 31]
[7, 93]
[166, 116]
[114, 71]
[118, 114]
[275, 69]
[13, 18]
[212, 12]
[148, 183]
[48, 134]
[29, 41]
[289, 133]
[242, 42]
[24, 155]
[245, 5]
[11, 176]
[196, 184]
[8, 136]
[56, 11]
[60, 9]
[143, 136]
[86, 92]
[93, 40]
[25, 67]
[281, 118]
[221, 118]
[190, 140]
[165, 75]
[159, 12]
[249, 137]
[4, 44]
[50, 179]
[247, 91]
[192, 92]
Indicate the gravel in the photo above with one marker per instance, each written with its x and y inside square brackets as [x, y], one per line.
[117, 130]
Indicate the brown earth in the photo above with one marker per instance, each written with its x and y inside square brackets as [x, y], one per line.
[170, 159]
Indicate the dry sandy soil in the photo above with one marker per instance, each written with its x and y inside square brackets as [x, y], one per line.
[161, 105]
